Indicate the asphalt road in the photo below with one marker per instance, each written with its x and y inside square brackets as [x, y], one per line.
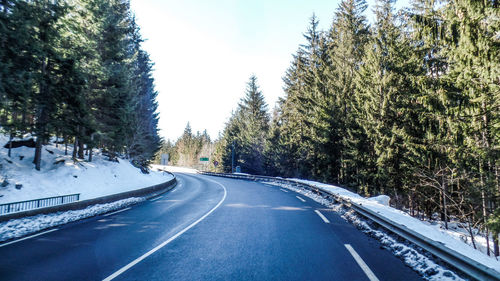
[207, 228]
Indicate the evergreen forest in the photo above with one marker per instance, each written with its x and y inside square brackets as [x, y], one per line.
[75, 71]
[187, 150]
[406, 106]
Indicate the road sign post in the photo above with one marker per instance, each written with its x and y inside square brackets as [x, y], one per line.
[164, 159]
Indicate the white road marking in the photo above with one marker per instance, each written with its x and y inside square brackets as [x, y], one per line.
[322, 216]
[300, 198]
[157, 198]
[284, 190]
[361, 263]
[29, 237]
[139, 259]
[116, 212]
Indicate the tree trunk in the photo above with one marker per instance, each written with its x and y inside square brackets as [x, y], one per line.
[484, 207]
[496, 248]
[81, 150]
[471, 233]
[43, 117]
[90, 154]
[488, 252]
[90, 146]
[75, 148]
[445, 211]
[65, 145]
[497, 178]
[38, 153]
[10, 144]
[410, 204]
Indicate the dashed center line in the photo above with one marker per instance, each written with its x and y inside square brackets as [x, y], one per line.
[116, 212]
[361, 263]
[284, 190]
[29, 237]
[300, 198]
[322, 216]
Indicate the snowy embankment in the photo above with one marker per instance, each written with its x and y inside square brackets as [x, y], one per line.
[60, 175]
[174, 169]
[453, 238]
[24, 226]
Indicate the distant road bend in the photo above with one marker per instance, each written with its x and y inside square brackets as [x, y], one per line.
[207, 228]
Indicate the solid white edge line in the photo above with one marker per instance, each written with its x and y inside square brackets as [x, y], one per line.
[29, 237]
[283, 190]
[322, 216]
[116, 212]
[139, 259]
[300, 198]
[361, 263]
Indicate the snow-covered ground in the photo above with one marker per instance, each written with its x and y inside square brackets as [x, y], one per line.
[24, 226]
[174, 169]
[452, 238]
[60, 175]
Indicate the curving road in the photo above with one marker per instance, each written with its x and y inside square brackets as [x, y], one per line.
[207, 228]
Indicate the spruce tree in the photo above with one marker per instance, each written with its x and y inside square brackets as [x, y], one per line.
[246, 132]
[347, 38]
[387, 101]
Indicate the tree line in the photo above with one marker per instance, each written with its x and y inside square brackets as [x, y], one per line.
[75, 70]
[187, 150]
[407, 106]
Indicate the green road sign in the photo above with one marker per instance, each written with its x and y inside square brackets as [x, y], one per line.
[204, 159]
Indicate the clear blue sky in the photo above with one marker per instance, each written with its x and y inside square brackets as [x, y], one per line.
[205, 51]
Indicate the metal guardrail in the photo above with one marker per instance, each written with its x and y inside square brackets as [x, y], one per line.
[37, 203]
[465, 264]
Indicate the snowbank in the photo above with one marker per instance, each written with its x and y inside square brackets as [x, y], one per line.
[59, 175]
[174, 169]
[452, 241]
[21, 227]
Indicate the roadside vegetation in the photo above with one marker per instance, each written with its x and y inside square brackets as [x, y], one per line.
[75, 70]
[407, 106]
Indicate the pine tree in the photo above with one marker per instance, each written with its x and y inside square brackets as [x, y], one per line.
[143, 141]
[474, 54]
[246, 132]
[347, 38]
[114, 100]
[16, 68]
[47, 58]
[298, 127]
[75, 69]
[387, 101]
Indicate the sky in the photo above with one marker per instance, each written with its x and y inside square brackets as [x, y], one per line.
[205, 52]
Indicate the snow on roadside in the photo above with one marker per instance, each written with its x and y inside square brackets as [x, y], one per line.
[411, 257]
[60, 175]
[425, 266]
[431, 232]
[20, 227]
[174, 169]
